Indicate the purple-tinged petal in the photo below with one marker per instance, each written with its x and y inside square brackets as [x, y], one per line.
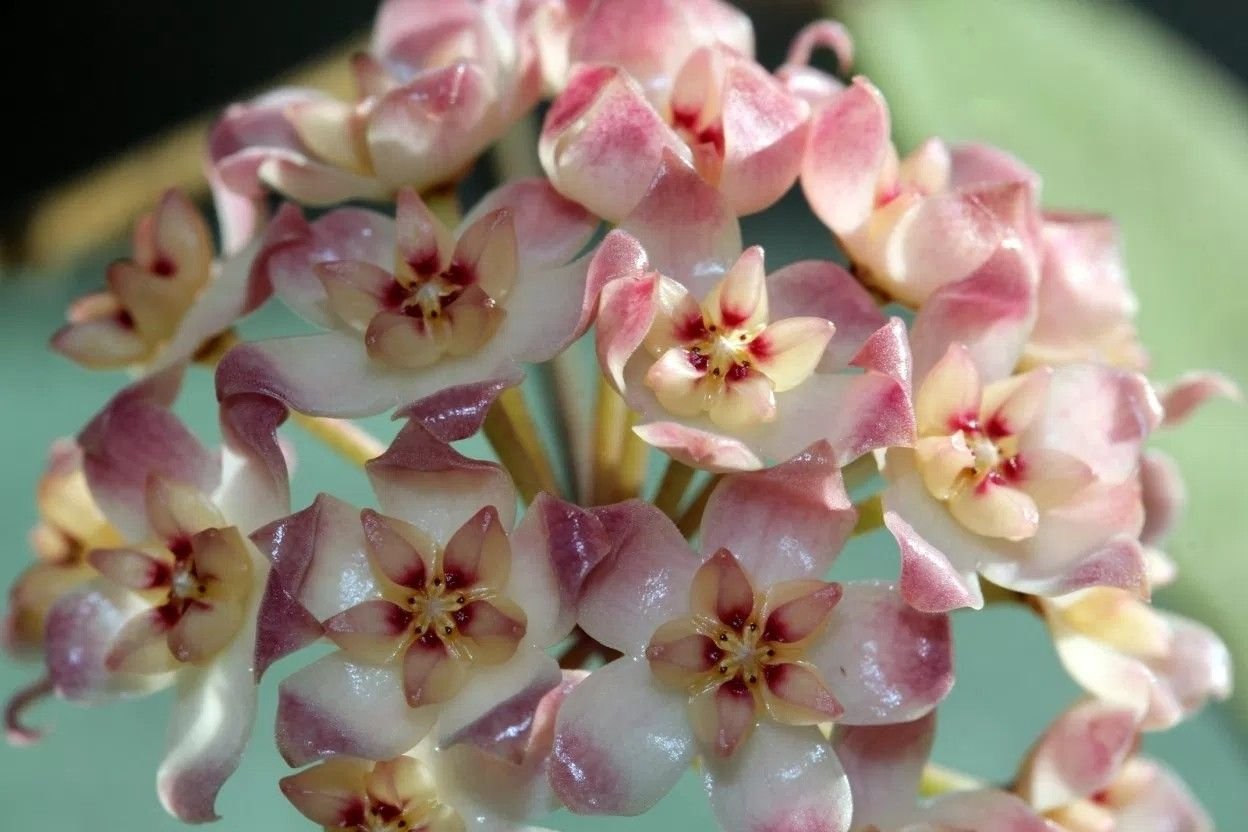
[929, 580]
[550, 229]
[1078, 755]
[721, 591]
[554, 549]
[293, 247]
[1098, 414]
[457, 412]
[1150, 796]
[292, 370]
[687, 230]
[79, 636]
[426, 482]
[428, 131]
[644, 580]
[1188, 393]
[782, 523]
[847, 149]
[783, 779]
[699, 448]
[984, 810]
[495, 709]
[335, 706]
[1163, 494]
[884, 660]
[764, 134]
[628, 303]
[320, 568]
[372, 632]
[602, 142]
[622, 741]
[975, 164]
[990, 311]
[884, 764]
[825, 290]
[135, 437]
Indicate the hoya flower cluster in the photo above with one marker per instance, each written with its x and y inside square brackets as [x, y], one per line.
[504, 645]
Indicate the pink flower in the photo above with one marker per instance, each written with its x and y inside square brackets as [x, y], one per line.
[1085, 306]
[440, 604]
[1030, 481]
[648, 39]
[179, 599]
[1084, 774]
[736, 653]
[729, 366]
[437, 789]
[915, 224]
[412, 309]
[443, 81]
[606, 134]
[884, 764]
[165, 304]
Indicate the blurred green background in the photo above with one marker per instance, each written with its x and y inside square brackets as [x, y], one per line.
[1116, 113]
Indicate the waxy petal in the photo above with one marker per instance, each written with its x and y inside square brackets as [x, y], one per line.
[984, 810]
[847, 148]
[141, 647]
[431, 675]
[797, 610]
[622, 741]
[943, 461]
[205, 629]
[602, 142]
[949, 395]
[335, 706]
[492, 629]
[823, 289]
[372, 632]
[355, 291]
[721, 591]
[789, 350]
[784, 778]
[884, 764]
[885, 661]
[995, 510]
[723, 717]
[1188, 393]
[794, 694]
[679, 654]
[744, 403]
[1079, 754]
[398, 550]
[487, 253]
[130, 568]
[330, 793]
[785, 522]
[478, 553]
[640, 582]
[739, 300]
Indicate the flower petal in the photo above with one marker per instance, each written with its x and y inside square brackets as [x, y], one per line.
[784, 778]
[723, 717]
[331, 793]
[995, 510]
[1188, 393]
[140, 646]
[130, 568]
[372, 632]
[984, 810]
[884, 764]
[355, 291]
[399, 550]
[1078, 755]
[721, 591]
[739, 300]
[491, 630]
[798, 610]
[641, 582]
[949, 396]
[478, 554]
[847, 149]
[688, 232]
[785, 522]
[824, 289]
[788, 351]
[679, 654]
[431, 675]
[335, 706]
[621, 741]
[886, 661]
[795, 694]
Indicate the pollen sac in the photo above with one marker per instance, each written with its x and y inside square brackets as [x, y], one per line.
[443, 611]
[741, 654]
